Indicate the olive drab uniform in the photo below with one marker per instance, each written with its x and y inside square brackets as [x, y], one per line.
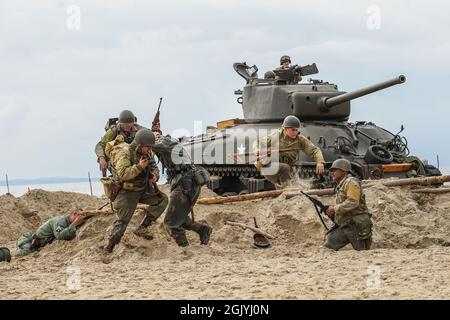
[111, 134]
[185, 190]
[351, 216]
[135, 189]
[287, 159]
[58, 228]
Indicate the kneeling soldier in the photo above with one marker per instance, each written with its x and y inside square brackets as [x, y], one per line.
[350, 212]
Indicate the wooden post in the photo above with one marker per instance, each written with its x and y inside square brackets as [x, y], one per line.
[7, 184]
[90, 183]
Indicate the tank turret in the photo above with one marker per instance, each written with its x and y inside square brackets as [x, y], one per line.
[273, 100]
[374, 152]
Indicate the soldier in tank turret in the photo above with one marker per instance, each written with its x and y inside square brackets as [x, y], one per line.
[285, 64]
[283, 148]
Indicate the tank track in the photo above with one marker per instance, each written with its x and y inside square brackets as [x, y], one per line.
[233, 171]
[242, 174]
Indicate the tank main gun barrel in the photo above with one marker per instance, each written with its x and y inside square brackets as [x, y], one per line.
[328, 103]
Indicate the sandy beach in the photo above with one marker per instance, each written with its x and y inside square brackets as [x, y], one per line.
[409, 260]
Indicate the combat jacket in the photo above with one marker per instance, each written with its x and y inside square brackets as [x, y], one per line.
[58, 228]
[124, 159]
[111, 134]
[350, 201]
[278, 140]
[174, 158]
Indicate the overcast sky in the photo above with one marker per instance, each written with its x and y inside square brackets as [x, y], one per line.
[63, 77]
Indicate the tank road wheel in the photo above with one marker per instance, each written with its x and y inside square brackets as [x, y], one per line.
[377, 154]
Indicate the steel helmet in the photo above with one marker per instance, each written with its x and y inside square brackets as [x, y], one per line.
[342, 164]
[291, 122]
[126, 116]
[284, 58]
[144, 138]
[5, 255]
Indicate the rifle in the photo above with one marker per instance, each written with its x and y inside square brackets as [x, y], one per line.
[156, 123]
[320, 209]
[261, 154]
[88, 216]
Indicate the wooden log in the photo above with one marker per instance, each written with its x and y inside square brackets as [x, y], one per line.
[106, 212]
[426, 181]
[246, 197]
[292, 192]
[254, 229]
[432, 190]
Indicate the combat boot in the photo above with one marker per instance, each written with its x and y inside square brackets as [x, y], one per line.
[204, 233]
[180, 238]
[141, 230]
[109, 247]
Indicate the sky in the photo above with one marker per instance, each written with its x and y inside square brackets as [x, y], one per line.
[68, 66]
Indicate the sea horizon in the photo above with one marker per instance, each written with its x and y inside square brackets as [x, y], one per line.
[74, 185]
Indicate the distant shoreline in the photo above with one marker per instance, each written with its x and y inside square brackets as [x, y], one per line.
[20, 182]
[37, 181]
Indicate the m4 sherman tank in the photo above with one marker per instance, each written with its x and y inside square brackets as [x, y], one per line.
[226, 150]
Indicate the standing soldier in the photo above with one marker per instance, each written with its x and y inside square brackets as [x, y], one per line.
[185, 181]
[125, 126]
[287, 144]
[350, 212]
[135, 170]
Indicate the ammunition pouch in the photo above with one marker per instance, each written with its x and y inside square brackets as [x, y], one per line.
[201, 176]
[106, 182]
[361, 225]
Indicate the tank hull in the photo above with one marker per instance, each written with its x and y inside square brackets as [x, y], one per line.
[228, 154]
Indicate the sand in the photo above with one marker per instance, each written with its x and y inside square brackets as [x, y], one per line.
[410, 257]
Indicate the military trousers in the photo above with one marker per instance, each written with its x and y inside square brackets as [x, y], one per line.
[341, 236]
[177, 218]
[282, 175]
[125, 205]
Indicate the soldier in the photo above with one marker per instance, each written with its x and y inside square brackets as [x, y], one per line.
[269, 75]
[185, 184]
[126, 127]
[350, 212]
[134, 167]
[289, 140]
[285, 64]
[63, 227]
